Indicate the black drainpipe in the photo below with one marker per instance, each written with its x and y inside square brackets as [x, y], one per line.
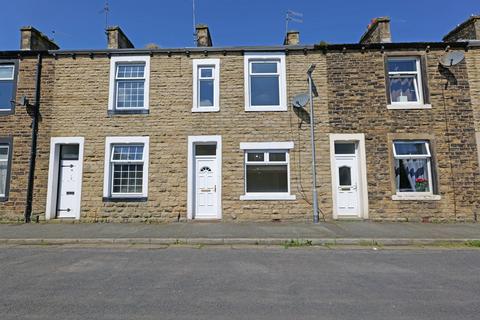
[33, 150]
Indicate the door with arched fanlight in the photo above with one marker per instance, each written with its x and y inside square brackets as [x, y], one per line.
[205, 182]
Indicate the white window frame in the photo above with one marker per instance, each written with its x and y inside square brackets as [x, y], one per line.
[7, 162]
[427, 156]
[200, 63]
[107, 179]
[281, 71]
[418, 84]
[11, 78]
[112, 97]
[267, 147]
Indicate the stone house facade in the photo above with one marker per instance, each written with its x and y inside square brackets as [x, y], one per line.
[208, 133]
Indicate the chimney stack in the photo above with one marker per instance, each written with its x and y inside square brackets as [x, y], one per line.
[117, 39]
[32, 39]
[467, 30]
[292, 38]
[378, 31]
[203, 36]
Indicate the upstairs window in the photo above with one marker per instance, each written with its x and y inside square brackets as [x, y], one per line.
[7, 87]
[265, 87]
[129, 84]
[206, 78]
[405, 80]
[413, 170]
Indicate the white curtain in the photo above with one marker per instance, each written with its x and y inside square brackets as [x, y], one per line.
[414, 169]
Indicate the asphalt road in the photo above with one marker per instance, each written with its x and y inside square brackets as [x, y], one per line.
[247, 283]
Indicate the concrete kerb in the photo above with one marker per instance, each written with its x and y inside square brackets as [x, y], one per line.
[240, 241]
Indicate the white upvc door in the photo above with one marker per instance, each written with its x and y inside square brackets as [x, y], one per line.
[206, 187]
[347, 186]
[68, 186]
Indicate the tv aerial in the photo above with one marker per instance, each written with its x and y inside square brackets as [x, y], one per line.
[105, 11]
[292, 16]
[451, 59]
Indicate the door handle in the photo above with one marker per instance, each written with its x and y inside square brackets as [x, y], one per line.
[215, 188]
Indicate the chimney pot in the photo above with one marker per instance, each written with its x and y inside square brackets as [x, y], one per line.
[32, 39]
[203, 36]
[117, 39]
[378, 31]
[292, 38]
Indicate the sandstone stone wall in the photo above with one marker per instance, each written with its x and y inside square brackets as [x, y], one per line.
[358, 104]
[17, 125]
[352, 100]
[78, 107]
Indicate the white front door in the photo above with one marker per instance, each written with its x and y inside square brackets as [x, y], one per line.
[206, 187]
[346, 180]
[68, 178]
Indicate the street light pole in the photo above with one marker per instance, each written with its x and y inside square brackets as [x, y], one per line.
[312, 137]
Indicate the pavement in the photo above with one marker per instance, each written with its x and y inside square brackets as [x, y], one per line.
[218, 233]
[219, 282]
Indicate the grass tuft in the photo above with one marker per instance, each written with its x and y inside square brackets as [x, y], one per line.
[295, 243]
[473, 243]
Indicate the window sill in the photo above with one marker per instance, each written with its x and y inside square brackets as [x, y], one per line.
[265, 108]
[134, 111]
[125, 199]
[3, 199]
[414, 197]
[205, 109]
[267, 196]
[407, 106]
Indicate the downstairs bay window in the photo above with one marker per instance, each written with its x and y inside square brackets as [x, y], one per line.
[267, 171]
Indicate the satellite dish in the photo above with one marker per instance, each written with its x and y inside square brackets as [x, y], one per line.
[300, 100]
[452, 58]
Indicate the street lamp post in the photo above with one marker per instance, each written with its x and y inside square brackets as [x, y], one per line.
[312, 137]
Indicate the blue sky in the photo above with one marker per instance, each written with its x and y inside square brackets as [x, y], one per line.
[168, 23]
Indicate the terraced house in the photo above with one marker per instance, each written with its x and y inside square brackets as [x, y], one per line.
[126, 134]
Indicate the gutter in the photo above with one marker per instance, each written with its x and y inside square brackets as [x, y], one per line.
[33, 149]
[241, 49]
